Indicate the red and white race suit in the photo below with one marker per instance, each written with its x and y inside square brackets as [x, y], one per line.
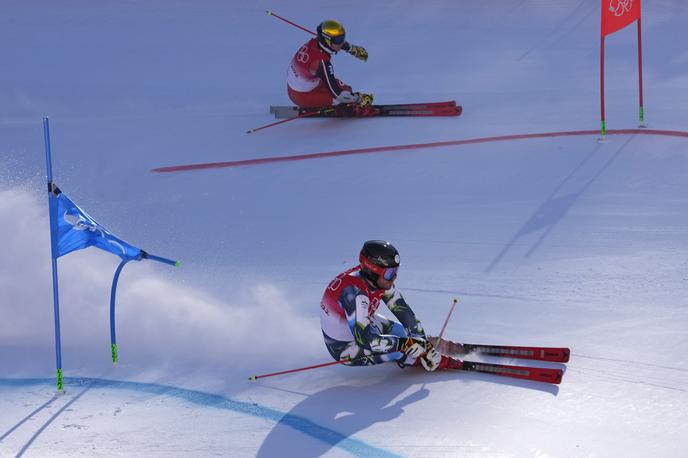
[352, 328]
[310, 77]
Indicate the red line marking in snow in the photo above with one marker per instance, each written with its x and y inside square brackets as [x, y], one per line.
[382, 149]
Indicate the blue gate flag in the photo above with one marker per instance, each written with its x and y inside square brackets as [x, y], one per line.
[76, 230]
[73, 229]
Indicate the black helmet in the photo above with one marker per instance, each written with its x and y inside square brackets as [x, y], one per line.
[379, 258]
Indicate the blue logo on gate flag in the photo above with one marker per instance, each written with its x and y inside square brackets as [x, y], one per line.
[76, 230]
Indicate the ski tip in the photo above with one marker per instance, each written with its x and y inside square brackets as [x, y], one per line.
[566, 355]
[250, 131]
[559, 376]
[554, 377]
[253, 378]
[268, 12]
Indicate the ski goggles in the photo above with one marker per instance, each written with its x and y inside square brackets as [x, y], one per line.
[387, 273]
[390, 273]
[337, 40]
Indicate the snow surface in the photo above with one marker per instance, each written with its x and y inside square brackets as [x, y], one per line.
[551, 241]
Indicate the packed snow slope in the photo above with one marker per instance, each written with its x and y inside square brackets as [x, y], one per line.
[558, 241]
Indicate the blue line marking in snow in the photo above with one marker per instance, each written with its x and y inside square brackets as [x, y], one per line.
[303, 425]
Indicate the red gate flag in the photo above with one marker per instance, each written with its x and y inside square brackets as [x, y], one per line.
[617, 14]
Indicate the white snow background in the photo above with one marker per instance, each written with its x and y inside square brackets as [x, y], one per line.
[558, 241]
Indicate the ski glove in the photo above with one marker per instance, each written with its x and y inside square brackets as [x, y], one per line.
[413, 348]
[359, 52]
[431, 359]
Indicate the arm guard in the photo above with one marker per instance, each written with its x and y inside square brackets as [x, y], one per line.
[326, 73]
[398, 306]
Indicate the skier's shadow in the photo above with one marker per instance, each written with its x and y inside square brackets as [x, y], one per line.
[337, 413]
[325, 419]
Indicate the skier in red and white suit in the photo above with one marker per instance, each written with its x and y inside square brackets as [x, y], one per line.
[310, 78]
[352, 329]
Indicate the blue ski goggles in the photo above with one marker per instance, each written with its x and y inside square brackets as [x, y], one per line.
[337, 40]
[390, 273]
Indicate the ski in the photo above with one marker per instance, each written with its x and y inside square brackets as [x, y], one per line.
[374, 111]
[537, 374]
[405, 106]
[551, 354]
[430, 111]
[381, 110]
[408, 109]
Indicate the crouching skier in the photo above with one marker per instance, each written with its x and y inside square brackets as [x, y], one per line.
[355, 333]
[310, 79]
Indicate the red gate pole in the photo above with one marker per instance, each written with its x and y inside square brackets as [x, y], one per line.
[603, 128]
[640, 75]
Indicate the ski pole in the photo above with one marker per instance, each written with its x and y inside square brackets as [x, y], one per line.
[270, 13]
[444, 326]
[302, 115]
[332, 363]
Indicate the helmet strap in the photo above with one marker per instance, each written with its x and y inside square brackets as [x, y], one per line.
[326, 48]
[371, 283]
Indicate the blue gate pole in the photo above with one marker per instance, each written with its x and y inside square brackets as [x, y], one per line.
[113, 293]
[52, 206]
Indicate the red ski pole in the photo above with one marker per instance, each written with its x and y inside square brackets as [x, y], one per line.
[332, 363]
[270, 13]
[256, 377]
[444, 326]
[303, 115]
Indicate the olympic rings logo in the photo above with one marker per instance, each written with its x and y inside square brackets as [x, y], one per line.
[620, 7]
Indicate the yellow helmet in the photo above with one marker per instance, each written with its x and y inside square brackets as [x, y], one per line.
[331, 32]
